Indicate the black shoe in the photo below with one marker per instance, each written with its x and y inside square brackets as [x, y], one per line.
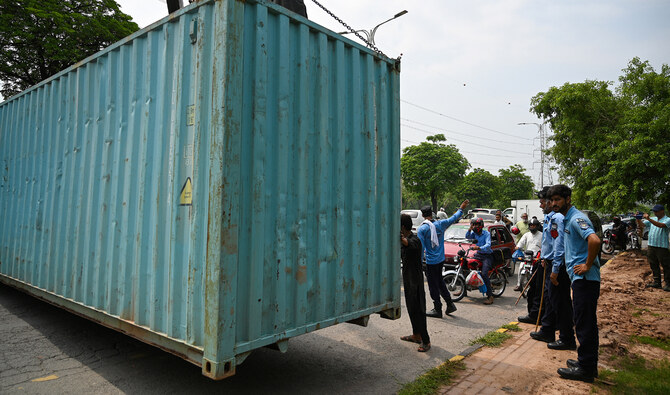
[451, 307]
[653, 285]
[435, 313]
[577, 374]
[573, 363]
[666, 288]
[527, 319]
[561, 345]
[543, 337]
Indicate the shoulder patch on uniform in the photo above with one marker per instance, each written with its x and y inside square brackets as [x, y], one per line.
[582, 223]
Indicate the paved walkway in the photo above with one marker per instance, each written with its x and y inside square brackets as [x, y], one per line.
[521, 366]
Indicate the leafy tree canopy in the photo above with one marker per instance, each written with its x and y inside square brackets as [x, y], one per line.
[39, 38]
[432, 168]
[514, 184]
[612, 146]
[480, 186]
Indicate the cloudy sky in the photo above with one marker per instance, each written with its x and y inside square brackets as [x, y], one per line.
[470, 67]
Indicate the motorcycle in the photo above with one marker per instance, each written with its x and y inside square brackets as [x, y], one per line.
[455, 279]
[609, 242]
[529, 261]
[633, 240]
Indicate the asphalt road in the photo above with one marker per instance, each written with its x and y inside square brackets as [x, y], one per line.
[38, 340]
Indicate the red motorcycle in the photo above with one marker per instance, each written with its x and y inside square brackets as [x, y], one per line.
[455, 279]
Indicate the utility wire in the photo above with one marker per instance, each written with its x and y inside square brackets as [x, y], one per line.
[470, 142]
[460, 120]
[466, 152]
[464, 134]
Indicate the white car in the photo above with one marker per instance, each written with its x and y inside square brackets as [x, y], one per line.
[416, 216]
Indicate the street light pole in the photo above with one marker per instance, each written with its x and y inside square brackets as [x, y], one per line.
[540, 127]
[370, 34]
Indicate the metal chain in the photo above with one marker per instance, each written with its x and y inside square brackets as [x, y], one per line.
[351, 30]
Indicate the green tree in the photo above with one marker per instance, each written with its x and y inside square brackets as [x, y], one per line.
[39, 38]
[480, 187]
[612, 146]
[432, 168]
[514, 184]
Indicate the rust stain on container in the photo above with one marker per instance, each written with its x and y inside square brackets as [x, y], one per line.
[301, 276]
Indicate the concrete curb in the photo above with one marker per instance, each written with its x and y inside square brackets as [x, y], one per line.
[473, 348]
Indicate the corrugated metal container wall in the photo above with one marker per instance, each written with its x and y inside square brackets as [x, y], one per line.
[222, 180]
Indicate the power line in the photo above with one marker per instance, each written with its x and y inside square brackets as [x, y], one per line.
[466, 152]
[470, 142]
[464, 134]
[460, 120]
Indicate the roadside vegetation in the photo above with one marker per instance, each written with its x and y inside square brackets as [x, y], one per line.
[433, 379]
[492, 339]
[635, 375]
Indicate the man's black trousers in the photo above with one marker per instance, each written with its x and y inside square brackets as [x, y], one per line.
[436, 285]
[585, 303]
[558, 311]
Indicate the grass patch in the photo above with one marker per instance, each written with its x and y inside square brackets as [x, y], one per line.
[492, 339]
[639, 313]
[512, 327]
[635, 375]
[663, 344]
[432, 380]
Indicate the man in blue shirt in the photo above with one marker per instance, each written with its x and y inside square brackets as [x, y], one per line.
[484, 252]
[431, 234]
[557, 313]
[658, 252]
[581, 247]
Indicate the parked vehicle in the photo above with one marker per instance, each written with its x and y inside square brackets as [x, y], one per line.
[464, 264]
[200, 185]
[531, 207]
[482, 215]
[502, 243]
[416, 216]
[611, 244]
[483, 210]
[634, 242]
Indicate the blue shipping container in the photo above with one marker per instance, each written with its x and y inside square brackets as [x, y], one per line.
[223, 180]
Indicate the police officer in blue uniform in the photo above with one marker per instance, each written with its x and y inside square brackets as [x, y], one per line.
[582, 265]
[558, 309]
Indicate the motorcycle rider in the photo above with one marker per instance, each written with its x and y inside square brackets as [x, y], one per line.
[484, 252]
[619, 229]
[531, 241]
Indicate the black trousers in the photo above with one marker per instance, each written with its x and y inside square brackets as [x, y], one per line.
[658, 257]
[415, 299]
[558, 314]
[585, 295]
[436, 285]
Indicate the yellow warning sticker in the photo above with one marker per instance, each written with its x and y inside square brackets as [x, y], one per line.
[186, 195]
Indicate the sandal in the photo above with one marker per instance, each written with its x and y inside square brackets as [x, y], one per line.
[410, 339]
[423, 347]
